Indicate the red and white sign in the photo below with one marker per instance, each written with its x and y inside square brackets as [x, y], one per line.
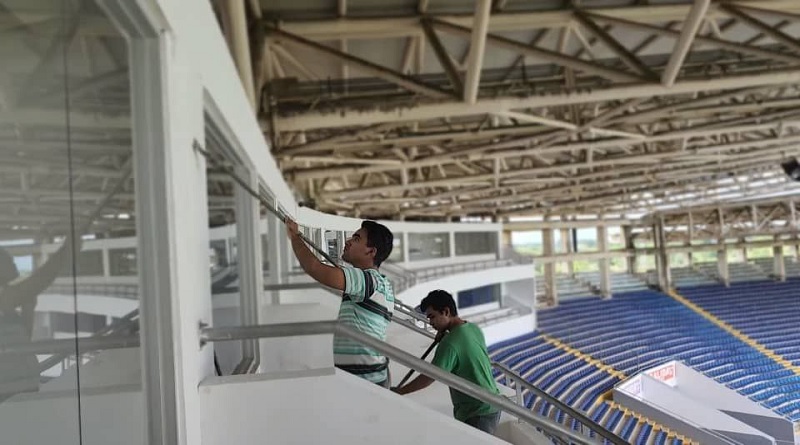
[665, 373]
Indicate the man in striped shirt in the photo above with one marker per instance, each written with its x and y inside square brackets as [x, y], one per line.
[367, 296]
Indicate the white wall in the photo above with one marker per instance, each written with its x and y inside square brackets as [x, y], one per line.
[463, 281]
[506, 329]
[298, 352]
[321, 408]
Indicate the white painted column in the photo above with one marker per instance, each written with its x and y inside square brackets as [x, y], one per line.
[566, 247]
[173, 241]
[779, 266]
[251, 278]
[627, 233]
[550, 268]
[662, 258]
[605, 269]
[722, 263]
[452, 238]
[236, 18]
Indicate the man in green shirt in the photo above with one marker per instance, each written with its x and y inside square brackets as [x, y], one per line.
[461, 351]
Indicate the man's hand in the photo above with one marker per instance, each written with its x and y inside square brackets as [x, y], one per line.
[291, 228]
[329, 276]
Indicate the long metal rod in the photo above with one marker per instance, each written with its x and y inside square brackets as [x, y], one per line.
[580, 417]
[684, 43]
[120, 325]
[280, 215]
[67, 345]
[402, 357]
[233, 333]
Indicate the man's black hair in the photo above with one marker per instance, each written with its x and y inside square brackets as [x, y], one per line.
[8, 269]
[379, 237]
[438, 300]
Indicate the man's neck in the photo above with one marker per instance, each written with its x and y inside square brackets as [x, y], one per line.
[456, 323]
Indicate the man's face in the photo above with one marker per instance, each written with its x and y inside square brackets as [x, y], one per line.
[356, 250]
[438, 319]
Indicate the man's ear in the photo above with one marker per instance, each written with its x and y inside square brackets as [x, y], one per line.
[372, 251]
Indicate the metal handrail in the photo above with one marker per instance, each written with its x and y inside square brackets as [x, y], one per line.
[577, 415]
[70, 345]
[123, 324]
[394, 353]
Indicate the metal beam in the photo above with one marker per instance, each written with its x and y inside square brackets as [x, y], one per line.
[765, 28]
[325, 30]
[542, 54]
[292, 60]
[623, 53]
[444, 58]
[341, 117]
[719, 43]
[399, 79]
[483, 9]
[514, 151]
[690, 27]
[780, 146]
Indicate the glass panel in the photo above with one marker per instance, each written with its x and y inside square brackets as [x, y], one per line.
[332, 244]
[476, 243]
[35, 210]
[478, 295]
[63, 186]
[218, 255]
[225, 273]
[104, 209]
[397, 249]
[423, 246]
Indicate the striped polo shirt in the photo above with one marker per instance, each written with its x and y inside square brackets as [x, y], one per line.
[367, 306]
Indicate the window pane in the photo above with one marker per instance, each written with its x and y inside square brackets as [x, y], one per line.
[122, 262]
[476, 243]
[423, 246]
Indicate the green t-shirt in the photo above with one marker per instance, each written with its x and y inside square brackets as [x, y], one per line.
[463, 352]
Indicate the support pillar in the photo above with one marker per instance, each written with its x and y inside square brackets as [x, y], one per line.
[605, 269]
[662, 258]
[779, 268]
[239, 40]
[549, 268]
[566, 247]
[627, 233]
[722, 263]
[689, 238]
[743, 240]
